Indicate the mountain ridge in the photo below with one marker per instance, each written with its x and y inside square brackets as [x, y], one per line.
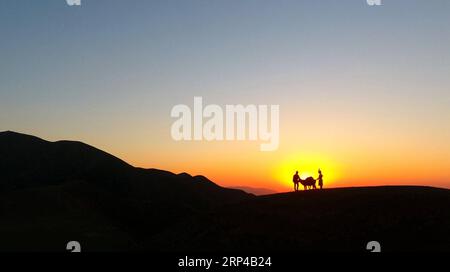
[81, 187]
[75, 159]
[55, 192]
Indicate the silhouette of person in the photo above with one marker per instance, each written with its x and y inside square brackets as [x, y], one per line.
[296, 180]
[320, 179]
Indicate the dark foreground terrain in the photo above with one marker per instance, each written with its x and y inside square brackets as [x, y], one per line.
[52, 193]
[401, 218]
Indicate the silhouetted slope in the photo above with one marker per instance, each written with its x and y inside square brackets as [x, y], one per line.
[401, 218]
[27, 161]
[53, 190]
[255, 191]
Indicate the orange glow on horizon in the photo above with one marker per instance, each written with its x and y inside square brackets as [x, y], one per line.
[307, 165]
[346, 160]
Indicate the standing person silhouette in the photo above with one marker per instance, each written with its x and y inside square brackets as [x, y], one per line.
[296, 180]
[320, 179]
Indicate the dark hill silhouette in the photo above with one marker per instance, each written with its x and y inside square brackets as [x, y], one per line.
[78, 185]
[54, 192]
[401, 218]
[28, 161]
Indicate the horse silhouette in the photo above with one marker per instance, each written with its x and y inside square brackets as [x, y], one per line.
[309, 182]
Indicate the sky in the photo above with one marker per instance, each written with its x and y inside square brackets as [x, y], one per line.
[364, 91]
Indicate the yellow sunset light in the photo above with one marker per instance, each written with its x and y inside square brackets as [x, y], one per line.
[307, 165]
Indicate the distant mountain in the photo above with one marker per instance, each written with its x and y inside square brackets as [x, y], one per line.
[28, 162]
[255, 191]
[65, 187]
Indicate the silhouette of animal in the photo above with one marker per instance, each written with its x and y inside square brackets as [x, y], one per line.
[309, 182]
